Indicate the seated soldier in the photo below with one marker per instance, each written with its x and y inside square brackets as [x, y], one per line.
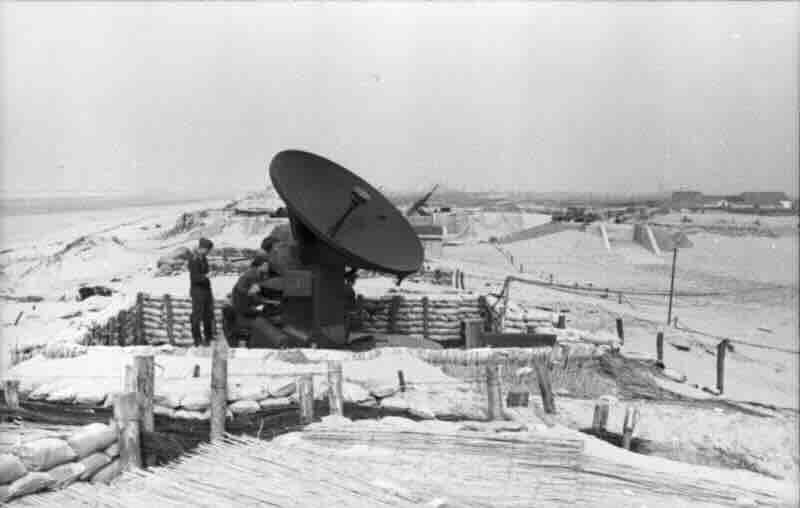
[247, 298]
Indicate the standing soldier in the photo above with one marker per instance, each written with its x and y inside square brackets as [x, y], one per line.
[200, 291]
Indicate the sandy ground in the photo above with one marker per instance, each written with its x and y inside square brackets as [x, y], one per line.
[758, 276]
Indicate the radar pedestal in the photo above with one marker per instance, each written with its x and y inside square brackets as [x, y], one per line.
[338, 220]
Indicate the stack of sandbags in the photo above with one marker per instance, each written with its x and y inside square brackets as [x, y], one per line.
[173, 262]
[156, 316]
[90, 454]
[517, 320]
[444, 316]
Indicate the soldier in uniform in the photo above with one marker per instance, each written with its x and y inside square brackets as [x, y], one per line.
[200, 293]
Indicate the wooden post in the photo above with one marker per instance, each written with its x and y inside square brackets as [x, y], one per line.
[126, 415]
[169, 318]
[473, 332]
[144, 366]
[196, 370]
[620, 331]
[401, 380]
[11, 391]
[619, 298]
[672, 284]
[562, 321]
[122, 320]
[493, 391]
[722, 347]
[129, 381]
[487, 314]
[141, 335]
[305, 393]
[462, 281]
[111, 327]
[335, 397]
[600, 419]
[545, 387]
[393, 308]
[628, 426]
[660, 347]
[219, 387]
[425, 318]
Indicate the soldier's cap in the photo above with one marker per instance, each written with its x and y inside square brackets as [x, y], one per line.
[205, 243]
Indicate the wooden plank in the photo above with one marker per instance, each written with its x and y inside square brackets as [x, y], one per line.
[335, 396]
[425, 317]
[168, 315]
[141, 335]
[493, 391]
[219, 387]
[305, 392]
[126, 415]
[545, 387]
[473, 334]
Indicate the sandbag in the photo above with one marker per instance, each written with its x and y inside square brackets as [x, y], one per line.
[244, 407]
[248, 389]
[113, 450]
[108, 473]
[184, 414]
[44, 454]
[275, 403]
[30, 484]
[11, 468]
[197, 400]
[163, 411]
[64, 394]
[66, 474]
[93, 463]
[354, 393]
[92, 438]
[281, 386]
[395, 403]
[383, 391]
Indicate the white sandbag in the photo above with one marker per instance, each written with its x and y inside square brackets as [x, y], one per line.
[44, 454]
[64, 394]
[30, 484]
[383, 391]
[168, 395]
[43, 390]
[163, 411]
[251, 388]
[354, 393]
[93, 463]
[280, 386]
[108, 473]
[66, 474]
[92, 438]
[244, 407]
[184, 414]
[197, 400]
[275, 403]
[91, 393]
[11, 468]
[395, 403]
[113, 450]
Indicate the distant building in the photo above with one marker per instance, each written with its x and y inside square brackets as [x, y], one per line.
[432, 239]
[687, 199]
[764, 199]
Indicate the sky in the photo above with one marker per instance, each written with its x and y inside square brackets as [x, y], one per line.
[195, 98]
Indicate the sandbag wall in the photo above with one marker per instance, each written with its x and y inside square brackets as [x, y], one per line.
[436, 318]
[167, 320]
[90, 454]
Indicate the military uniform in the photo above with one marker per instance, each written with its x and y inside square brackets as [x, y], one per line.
[202, 299]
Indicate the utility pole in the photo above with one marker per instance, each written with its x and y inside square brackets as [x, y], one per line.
[672, 284]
